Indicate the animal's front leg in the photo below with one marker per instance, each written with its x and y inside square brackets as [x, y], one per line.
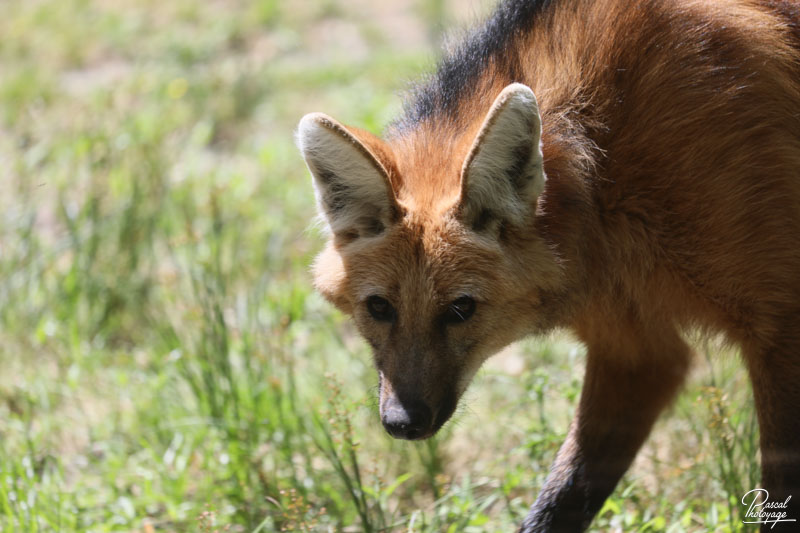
[775, 374]
[628, 382]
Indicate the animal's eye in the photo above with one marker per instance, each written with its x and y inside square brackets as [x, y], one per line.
[460, 310]
[380, 309]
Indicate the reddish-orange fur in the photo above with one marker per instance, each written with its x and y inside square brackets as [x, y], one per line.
[671, 141]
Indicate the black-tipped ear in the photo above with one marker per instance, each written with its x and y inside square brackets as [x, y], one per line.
[503, 173]
[353, 190]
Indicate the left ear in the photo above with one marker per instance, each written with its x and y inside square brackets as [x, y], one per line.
[353, 188]
[503, 174]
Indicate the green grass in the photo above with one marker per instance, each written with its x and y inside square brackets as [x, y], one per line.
[166, 365]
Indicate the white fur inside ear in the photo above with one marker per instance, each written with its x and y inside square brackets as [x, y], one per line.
[503, 173]
[351, 186]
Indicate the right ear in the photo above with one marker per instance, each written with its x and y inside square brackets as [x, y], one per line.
[353, 189]
[503, 174]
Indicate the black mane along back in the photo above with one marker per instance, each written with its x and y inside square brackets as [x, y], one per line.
[458, 74]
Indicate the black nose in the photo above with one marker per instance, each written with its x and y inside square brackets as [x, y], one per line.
[406, 420]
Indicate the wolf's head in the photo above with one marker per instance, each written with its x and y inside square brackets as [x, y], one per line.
[434, 249]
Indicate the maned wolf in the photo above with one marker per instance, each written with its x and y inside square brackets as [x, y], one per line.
[651, 185]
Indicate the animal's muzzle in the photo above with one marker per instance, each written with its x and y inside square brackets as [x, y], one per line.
[406, 420]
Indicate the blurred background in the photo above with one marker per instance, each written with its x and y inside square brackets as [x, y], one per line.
[164, 362]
